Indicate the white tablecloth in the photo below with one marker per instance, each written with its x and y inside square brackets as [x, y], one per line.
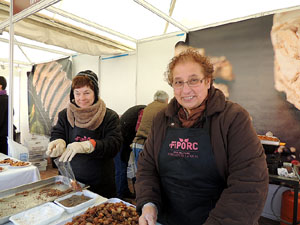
[13, 177]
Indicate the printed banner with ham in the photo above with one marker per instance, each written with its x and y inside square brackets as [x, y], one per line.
[264, 56]
[20, 5]
[49, 88]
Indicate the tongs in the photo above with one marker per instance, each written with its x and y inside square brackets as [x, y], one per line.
[65, 170]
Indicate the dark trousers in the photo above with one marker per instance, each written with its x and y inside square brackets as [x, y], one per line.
[121, 176]
[3, 145]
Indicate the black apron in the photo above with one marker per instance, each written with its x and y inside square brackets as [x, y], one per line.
[189, 177]
[95, 172]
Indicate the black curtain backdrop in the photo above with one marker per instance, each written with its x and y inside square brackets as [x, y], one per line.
[247, 45]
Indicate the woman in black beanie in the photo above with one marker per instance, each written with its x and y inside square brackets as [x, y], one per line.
[88, 134]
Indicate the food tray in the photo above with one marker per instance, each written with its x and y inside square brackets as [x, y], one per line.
[269, 140]
[87, 193]
[40, 215]
[18, 199]
[80, 212]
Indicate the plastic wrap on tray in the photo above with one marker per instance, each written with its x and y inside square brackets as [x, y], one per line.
[40, 215]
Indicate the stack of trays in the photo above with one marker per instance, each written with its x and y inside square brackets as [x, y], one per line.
[37, 147]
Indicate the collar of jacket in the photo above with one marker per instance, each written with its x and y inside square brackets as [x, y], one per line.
[215, 103]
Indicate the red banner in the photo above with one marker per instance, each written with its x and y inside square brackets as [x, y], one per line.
[20, 5]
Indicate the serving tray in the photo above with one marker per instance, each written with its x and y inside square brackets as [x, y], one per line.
[18, 199]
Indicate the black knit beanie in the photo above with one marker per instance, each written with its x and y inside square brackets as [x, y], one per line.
[93, 77]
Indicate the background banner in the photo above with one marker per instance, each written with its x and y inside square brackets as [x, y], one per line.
[49, 86]
[247, 46]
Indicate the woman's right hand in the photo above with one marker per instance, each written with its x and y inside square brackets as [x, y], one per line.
[149, 215]
[56, 148]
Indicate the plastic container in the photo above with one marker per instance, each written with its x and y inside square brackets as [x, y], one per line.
[41, 164]
[17, 150]
[87, 193]
[40, 215]
[287, 207]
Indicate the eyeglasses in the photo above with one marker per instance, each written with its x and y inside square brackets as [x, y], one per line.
[193, 82]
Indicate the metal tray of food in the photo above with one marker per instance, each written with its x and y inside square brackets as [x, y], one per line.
[18, 199]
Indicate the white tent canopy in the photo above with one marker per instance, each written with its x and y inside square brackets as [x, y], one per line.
[146, 30]
[115, 26]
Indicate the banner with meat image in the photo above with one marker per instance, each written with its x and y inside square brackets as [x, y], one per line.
[49, 88]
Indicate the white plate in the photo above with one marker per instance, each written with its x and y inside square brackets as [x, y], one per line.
[265, 142]
[15, 167]
[3, 169]
[4, 164]
[87, 193]
[40, 215]
[116, 200]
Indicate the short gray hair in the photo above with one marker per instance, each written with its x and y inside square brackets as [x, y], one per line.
[161, 96]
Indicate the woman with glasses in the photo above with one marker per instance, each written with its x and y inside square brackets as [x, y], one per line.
[88, 134]
[202, 162]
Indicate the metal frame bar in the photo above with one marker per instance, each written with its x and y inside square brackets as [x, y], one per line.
[162, 15]
[37, 47]
[88, 23]
[27, 12]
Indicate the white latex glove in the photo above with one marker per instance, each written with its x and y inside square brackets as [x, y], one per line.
[76, 147]
[149, 215]
[56, 148]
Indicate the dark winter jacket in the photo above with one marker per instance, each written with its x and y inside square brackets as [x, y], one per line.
[239, 157]
[97, 168]
[128, 124]
[3, 115]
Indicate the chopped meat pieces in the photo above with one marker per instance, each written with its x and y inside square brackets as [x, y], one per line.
[108, 213]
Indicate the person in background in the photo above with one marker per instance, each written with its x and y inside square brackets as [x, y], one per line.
[202, 162]
[128, 122]
[160, 102]
[88, 134]
[3, 115]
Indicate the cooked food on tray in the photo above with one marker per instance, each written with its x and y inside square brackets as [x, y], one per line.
[50, 192]
[74, 200]
[75, 185]
[108, 213]
[2, 169]
[266, 138]
[12, 162]
[19, 163]
[5, 161]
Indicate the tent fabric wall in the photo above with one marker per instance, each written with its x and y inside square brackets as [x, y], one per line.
[117, 82]
[153, 58]
[85, 62]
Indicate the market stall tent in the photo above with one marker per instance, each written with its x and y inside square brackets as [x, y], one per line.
[143, 32]
[116, 26]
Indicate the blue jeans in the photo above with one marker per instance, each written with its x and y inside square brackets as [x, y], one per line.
[137, 148]
[121, 176]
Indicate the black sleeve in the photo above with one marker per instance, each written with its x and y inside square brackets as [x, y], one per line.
[110, 144]
[60, 130]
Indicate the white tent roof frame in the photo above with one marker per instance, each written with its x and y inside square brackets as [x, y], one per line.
[47, 3]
